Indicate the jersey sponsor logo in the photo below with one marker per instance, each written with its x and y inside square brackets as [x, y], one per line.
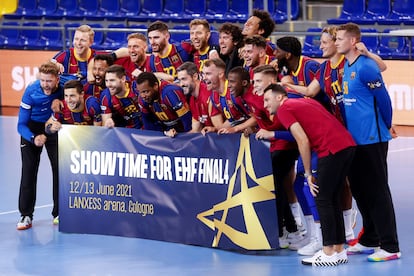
[374, 84]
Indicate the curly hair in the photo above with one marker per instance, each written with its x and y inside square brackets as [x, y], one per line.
[266, 22]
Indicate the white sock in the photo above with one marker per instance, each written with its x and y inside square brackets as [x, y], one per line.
[318, 231]
[310, 228]
[296, 212]
[349, 231]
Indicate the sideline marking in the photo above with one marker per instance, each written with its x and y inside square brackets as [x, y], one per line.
[17, 211]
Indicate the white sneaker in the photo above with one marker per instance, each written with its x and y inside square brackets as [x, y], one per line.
[24, 223]
[298, 241]
[321, 259]
[361, 249]
[311, 248]
[283, 242]
[302, 229]
[290, 240]
[342, 257]
[382, 256]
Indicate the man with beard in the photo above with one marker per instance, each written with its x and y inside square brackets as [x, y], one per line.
[201, 44]
[136, 61]
[282, 147]
[225, 110]
[213, 76]
[198, 96]
[78, 109]
[230, 41]
[295, 67]
[165, 57]
[119, 101]
[163, 105]
[260, 23]
[315, 129]
[99, 65]
[75, 60]
[254, 53]
[35, 109]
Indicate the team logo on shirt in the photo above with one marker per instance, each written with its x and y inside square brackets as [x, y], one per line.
[353, 75]
[175, 58]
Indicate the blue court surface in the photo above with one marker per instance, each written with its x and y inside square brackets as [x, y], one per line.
[43, 250]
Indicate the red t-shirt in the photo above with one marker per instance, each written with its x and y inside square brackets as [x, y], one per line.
[256, 105]
[199, 105]
[325, 133]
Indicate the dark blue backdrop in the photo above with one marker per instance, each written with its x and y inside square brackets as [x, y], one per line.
[213, 190]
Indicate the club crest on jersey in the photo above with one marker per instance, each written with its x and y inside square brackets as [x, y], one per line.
[353, 75]
[175, 58]
[374, 84]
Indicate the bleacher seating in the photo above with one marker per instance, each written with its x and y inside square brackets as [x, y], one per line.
[43, 8]
[144, 10]
[409, 50]
[371, 42]
[238, 11]
[29, 37]
[24, 8]
[51, 39]
[351, 10]
[25, 38]
[130, 9]
[177, 37]
[376, 11]
[393, 47]
[8, 37]
[217, 10]
[111, 9]
[402, 13]
[280, 11]
[88, 9]
[68, 9]
[151, 9]
[195, 9]
[139, 26]
[312, 43]
[99, 34]
[114, 39]
[173, 10]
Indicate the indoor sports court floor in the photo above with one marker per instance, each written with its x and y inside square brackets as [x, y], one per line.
[43, 250]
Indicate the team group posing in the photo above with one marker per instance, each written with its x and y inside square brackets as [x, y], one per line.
[332, 120]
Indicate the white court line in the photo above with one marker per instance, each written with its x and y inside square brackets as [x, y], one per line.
[17, 211]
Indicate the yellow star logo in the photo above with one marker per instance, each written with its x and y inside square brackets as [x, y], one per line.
[254, 238]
